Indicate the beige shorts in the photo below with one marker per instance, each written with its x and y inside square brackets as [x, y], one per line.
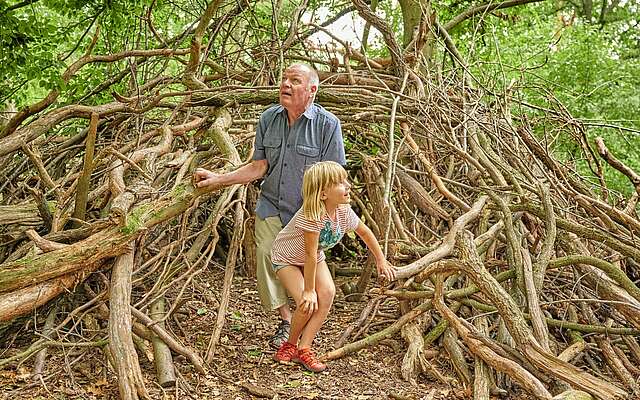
[271, 292]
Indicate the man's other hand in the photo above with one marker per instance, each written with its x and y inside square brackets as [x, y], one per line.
[205, 178]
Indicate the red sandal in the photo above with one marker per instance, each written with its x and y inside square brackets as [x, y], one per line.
[286, 352]
[308, 359]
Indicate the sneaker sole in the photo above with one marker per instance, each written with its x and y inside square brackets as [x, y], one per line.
[299, 361]
[285, 362]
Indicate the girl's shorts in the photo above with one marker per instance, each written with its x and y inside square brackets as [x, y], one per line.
[277, 267]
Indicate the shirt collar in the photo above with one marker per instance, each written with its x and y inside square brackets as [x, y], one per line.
[310, 112]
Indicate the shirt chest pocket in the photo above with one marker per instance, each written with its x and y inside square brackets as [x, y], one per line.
[310, 154]
[272, 144]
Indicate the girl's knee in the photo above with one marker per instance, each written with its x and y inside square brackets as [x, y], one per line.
[326, 294]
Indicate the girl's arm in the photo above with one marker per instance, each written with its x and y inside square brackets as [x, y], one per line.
[309, 301]
[384, 268]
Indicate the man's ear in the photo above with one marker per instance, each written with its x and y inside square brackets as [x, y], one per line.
[314, 89]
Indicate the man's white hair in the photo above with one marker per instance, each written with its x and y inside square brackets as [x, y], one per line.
[314, 79]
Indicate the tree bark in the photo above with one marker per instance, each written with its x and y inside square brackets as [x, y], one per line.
[130, 381]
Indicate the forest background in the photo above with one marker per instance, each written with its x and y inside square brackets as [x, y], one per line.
[517, 120]
[586, 54]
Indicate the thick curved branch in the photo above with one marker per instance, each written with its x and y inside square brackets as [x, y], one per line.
[388, 35]
[43, 124]
[470, 337]
[448, 243]
[617, 164]
[110, 242]
[514, 318]
[196, 44]
[483, 8]
[42, 243]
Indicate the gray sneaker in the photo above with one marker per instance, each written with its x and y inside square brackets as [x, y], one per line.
[281, 335]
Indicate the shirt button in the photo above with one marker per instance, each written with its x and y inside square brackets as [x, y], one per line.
[285, 164]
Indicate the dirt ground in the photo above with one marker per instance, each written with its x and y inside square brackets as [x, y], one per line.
[243, 358]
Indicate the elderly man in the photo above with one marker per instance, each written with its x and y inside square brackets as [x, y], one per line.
[289, 137]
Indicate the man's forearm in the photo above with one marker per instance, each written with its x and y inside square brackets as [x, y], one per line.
[245, 174]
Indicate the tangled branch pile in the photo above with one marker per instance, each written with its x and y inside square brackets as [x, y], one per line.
[522, 270]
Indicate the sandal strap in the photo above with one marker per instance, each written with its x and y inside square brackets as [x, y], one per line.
[309, 358]
[289, 349]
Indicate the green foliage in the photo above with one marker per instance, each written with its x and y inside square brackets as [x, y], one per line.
[26, 59]
[38, 42]
[586, 58]
[255, 352]
[202, 311]
[179, 191]
[548, 57]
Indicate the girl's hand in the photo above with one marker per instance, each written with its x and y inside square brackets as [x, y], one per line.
[386, 271]
[309, 301]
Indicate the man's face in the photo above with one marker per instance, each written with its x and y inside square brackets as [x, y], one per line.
[295, 90]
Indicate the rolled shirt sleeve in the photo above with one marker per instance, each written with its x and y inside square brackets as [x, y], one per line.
[334, 147]
[258, 146]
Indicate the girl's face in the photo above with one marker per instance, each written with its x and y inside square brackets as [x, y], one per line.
[337, 194]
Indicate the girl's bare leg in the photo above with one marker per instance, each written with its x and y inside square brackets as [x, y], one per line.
[326, 290]
[292, 279]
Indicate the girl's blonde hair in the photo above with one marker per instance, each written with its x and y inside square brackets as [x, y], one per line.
[317, 178]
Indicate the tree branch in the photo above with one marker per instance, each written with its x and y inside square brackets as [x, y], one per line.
[617, 164]
[21, 4]
[484, 8]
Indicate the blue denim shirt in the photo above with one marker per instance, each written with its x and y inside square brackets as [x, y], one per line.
[315, 136]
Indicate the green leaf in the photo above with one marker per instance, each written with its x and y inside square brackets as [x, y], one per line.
[237, 315]
[293, 384]
[254, 352]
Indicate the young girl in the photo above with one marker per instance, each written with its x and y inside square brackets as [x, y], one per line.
[298, 257]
